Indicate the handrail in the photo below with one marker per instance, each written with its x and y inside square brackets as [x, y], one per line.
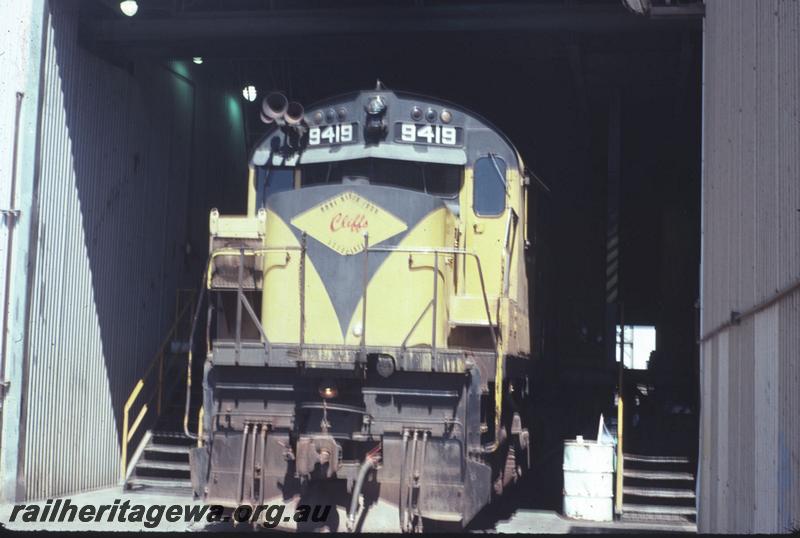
[737, 317]
[498, 352]
[436, 251]
[620, 470]
[129, 430]
[250, 251]
[453, 251]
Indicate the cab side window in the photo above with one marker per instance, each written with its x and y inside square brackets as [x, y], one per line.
[489, 190]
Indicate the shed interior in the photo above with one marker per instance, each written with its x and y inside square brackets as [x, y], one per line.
[603, 105]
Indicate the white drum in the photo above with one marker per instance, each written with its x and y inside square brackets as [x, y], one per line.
[588, 480]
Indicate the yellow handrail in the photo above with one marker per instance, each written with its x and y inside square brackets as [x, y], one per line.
[618, 505]
[200, 426]
[128, 430]
[620, 458]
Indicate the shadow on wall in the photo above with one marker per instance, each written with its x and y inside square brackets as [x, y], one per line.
[123, 169]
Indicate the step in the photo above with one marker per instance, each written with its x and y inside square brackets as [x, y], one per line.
[162, 466]
[171, 435]
[168, 449]
[666, 493]
[172, 438]
[665, 522]
[655, 459]
[652, 509]
[656, 475]
[163, 483]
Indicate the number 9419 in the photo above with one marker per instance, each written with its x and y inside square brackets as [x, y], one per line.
[331, 134]
[429, 134]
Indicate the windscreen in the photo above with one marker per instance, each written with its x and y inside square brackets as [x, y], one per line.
[443, 180]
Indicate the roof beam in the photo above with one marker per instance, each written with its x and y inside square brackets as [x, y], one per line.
[207, 30]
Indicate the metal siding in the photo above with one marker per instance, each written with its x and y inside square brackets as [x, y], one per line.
[788, 450]
[713, 402]
[704, 476]
[751, 249]
[766, 390]
[115, 164]
[721, 421]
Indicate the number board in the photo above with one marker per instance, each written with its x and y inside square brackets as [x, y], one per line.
[435, 135]
[329, 135]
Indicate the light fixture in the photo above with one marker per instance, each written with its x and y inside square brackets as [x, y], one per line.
[640, 7]
[249, 93]
[330, 115]
[376, 105]
[385, 365]
[328, 390]
[198, 60]
[430, 115]
[416, 113]
[446, 116]
[129, 7]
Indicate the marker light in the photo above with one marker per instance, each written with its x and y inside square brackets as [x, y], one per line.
[129, 7]
[198, 60]
[416, 113]
[330, 115]
[318, 117]
[249, 93]
[430, 115]
[328, 390]
[446, 116]
[341, 112]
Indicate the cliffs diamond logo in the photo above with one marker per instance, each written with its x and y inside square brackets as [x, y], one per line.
[341, 222]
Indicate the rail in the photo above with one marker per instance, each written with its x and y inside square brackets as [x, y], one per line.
[737, 317]
[242, 302]
[156, 366]
[620, 469]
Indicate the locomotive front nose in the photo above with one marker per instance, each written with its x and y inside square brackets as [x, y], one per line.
[371, 261]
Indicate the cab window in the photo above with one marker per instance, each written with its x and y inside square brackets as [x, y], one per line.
[442, 180]
[489, 191]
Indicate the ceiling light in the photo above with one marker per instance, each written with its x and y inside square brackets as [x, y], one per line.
[198, 60]
[249, 93]
[129, 7]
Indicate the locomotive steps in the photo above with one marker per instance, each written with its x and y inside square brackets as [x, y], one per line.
[658, 489]
[163, 465]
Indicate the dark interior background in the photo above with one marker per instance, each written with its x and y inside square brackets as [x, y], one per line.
[550, 83]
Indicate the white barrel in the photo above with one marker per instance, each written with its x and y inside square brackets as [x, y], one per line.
[588, 480]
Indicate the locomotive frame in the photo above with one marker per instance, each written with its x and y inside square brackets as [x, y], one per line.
[391, 354]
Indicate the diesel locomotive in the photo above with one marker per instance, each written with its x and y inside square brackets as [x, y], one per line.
[367, 330]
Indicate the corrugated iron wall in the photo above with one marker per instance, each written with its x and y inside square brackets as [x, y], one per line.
[116, 176]
[750, 432]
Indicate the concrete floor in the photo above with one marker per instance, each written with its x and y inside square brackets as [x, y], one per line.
[519, 521]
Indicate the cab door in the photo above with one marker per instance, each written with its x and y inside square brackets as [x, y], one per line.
[486, 215]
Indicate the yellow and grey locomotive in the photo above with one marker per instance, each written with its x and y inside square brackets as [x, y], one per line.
[368, 324]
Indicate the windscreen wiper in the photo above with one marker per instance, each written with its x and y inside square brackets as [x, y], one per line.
[499, 173]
